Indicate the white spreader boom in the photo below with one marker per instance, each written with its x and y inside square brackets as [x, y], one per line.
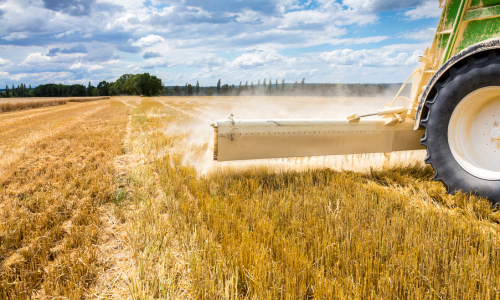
[259, 139]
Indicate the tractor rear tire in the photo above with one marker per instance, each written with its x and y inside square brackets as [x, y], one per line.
[460, 147]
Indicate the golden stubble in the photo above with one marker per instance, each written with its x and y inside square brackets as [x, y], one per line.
[54, 201]
[117, 206]
[260, 231]
[16, 104]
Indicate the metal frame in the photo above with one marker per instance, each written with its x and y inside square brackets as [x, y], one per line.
[487, 45]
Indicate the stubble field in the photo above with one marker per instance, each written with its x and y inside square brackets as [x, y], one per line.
[16, 104]
[120, 199]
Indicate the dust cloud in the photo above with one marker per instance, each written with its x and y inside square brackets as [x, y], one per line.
[210, 109]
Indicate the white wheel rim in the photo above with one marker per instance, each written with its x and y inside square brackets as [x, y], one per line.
[472, 132]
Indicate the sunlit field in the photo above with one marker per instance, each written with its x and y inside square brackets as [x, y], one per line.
[15, 104]
[120, 199]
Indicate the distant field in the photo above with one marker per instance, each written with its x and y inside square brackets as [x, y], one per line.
[17, 100]
[120, 199]
[14, 104]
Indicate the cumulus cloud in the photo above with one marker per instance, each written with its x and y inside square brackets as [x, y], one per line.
[148, 41]
[151, 54]
[382, 5]
[256, 59]
[79, 37]
[4, 62]
[77, 49]
[72, 7]
[369, 58]
[155, 63]
[425, 34]
[88, 67]
[38, 59]
[428, 9]
[261, 6]
[35, 59]
[359, 41]
[127, 48]
[15, 36]
[406, 47]
[53, 51]
[186, 16]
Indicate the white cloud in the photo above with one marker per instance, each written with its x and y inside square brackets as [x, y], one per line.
[15, 36]
[89, 67]
[41, 59]
[425, 34]
[148, 41]
[406, 47]
[4, 62]
[60, 35]
[369, 58]
[257, 59]
[35, 59]
[4, 74]
[429, 9]
[381, 5]
[358, 41]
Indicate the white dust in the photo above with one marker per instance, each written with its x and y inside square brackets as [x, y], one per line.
[210, 109]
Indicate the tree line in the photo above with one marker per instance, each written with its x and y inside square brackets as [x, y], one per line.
[138, 84]
[281, 88]
[148, 85]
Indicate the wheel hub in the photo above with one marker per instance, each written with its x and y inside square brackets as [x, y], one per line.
[495, 133]
[474, 133]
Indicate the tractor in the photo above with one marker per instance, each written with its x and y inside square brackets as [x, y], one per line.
[453, 111]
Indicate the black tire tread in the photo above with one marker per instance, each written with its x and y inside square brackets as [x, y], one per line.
[446, 168]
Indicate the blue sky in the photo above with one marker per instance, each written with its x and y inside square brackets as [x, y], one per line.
[327, 41]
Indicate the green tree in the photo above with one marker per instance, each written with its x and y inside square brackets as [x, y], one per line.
[246, 86]
[7, 92]
[264, 85]
[177, 90]
[240, 87]
[209, 91]
[258, 85]
[283, 86]
[276, 89]
[14, 94]
[103, 88]
[303, 84]
[218, 87]
[270, 86]
[190, 90]
[185, 89]
[89, 89]
[197, 88]
[147, 85]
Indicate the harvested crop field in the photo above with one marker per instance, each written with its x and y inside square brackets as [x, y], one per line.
[14, 104]
[120, 199]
